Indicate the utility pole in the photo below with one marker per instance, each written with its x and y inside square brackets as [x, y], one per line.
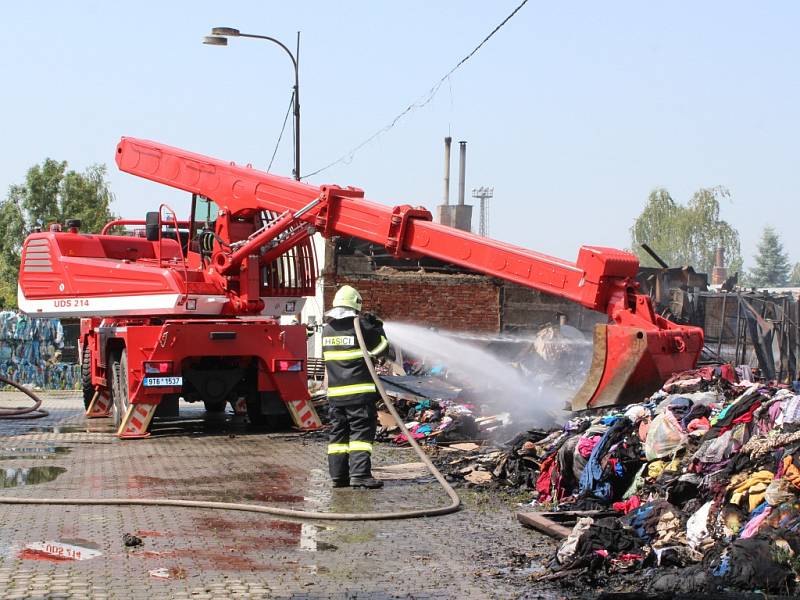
[219, 37]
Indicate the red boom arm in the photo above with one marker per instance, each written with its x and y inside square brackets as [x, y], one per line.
[403, 230]
[647, 348]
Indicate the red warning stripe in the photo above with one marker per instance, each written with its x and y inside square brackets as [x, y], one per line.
[136, 421]
[99, 407]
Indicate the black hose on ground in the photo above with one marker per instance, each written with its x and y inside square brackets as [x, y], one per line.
[455, 501]
[23, 412]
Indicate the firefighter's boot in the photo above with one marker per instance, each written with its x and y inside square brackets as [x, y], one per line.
[369, 483]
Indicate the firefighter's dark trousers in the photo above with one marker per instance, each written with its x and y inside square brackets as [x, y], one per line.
[350, 441]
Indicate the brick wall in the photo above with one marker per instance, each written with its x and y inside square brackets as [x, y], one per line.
[525, 309]
[452, 302]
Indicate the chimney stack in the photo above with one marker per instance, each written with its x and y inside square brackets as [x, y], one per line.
[447, 141]
[720, 273]
[455, 215]
[462, 167]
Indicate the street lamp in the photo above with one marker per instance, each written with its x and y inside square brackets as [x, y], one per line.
[219, 37]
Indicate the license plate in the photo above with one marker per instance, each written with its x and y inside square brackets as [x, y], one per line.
[162, 381]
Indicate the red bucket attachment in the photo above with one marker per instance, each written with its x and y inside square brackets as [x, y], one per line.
[630, 363]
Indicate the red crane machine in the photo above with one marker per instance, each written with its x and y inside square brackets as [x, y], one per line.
[193, 308]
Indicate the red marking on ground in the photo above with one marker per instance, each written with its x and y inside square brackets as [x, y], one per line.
[225, 559]
[140, 481]
[220, 524]
[276, 497]
[28, 554]
[154, 554]
[149, 534]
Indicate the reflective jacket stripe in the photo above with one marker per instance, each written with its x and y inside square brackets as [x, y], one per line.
[358, 446]
[348, 390]
[338, 448]
[380, 347]
[342, 354]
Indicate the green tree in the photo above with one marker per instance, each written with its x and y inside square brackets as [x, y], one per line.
[51, 194]
[772, 263]
[686, 235]
[794, 278]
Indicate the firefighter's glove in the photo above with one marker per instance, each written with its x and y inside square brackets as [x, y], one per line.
[371, 319]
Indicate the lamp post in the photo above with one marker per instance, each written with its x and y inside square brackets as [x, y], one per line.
[219, 37]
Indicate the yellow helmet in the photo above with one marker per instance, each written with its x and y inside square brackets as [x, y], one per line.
[348, 297]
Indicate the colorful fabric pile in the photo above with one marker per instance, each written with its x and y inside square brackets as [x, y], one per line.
[704, 478]
[443, 420]
[30, 352]
[699, 486]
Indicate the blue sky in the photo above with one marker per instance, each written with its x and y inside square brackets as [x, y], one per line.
[573, 112]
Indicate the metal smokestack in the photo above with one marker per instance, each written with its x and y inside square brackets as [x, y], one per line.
[447, 141]
[462, 166]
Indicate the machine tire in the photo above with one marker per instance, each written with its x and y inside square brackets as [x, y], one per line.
[86, 376]
[215, 407]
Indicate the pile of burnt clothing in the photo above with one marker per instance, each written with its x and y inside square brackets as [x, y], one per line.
[520, 463]
[553, 464]
[704, 476]
[437, 421]
[516, 463]
[591, 457]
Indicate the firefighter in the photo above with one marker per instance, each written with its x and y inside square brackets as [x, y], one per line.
[352, 394]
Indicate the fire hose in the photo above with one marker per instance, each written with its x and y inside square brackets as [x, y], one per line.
[455, 501]
[23, 412]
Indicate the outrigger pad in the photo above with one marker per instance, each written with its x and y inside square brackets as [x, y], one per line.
[630, 363]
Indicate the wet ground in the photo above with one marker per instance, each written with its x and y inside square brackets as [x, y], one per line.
[79, 551]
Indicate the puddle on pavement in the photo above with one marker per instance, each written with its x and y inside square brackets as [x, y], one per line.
[18, 477]
[221, 524]
[532, 569]
[33, 452]
[88, 428]
[270, 496]
[522, 565]
[192, 423]
[273, 485]
[268, 534]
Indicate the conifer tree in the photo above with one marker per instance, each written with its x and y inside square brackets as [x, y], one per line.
[772, 264]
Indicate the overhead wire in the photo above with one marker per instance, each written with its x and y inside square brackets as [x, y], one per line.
[421, 102]
[283, 128]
